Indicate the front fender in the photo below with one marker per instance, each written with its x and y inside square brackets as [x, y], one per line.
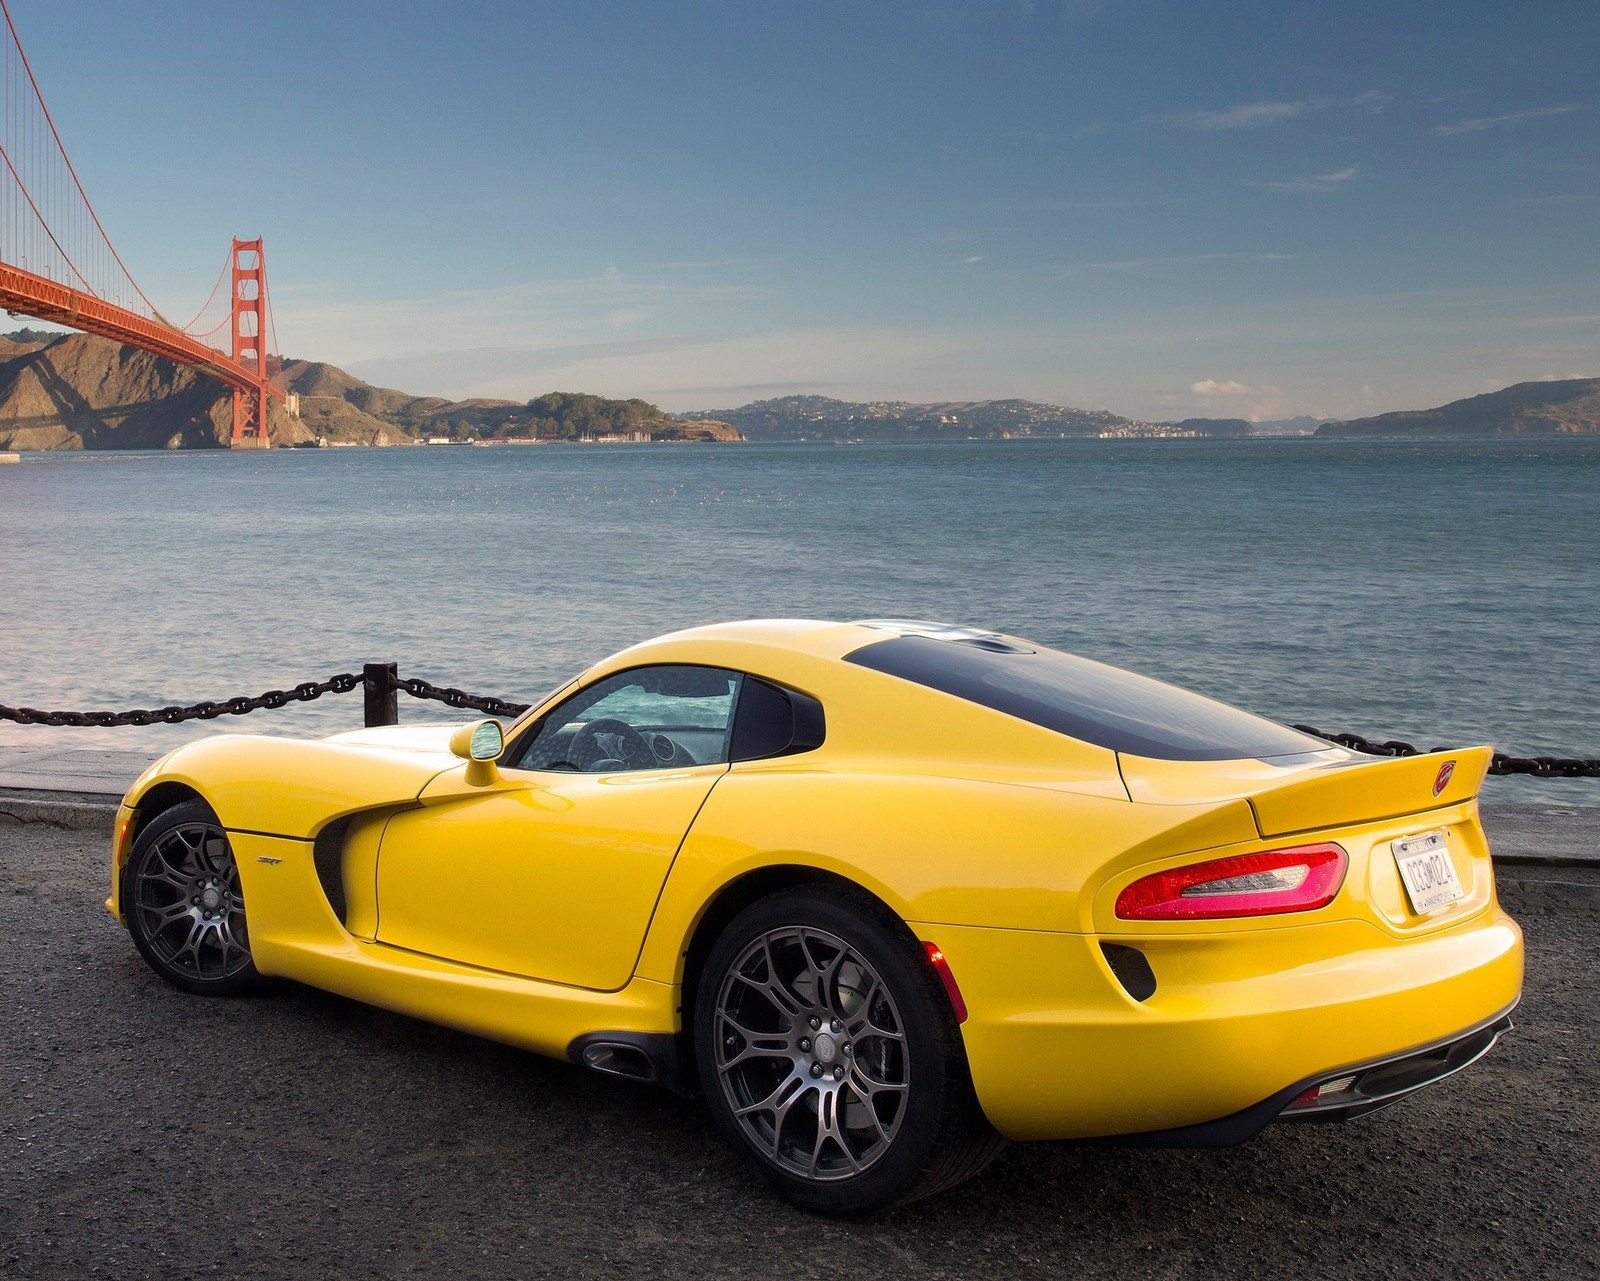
[290, 787]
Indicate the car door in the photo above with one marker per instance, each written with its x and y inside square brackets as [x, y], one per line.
[554, 872]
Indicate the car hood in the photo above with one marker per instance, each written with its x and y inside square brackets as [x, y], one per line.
[404, 738]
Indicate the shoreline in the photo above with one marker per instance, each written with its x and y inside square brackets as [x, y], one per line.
[1298, 438]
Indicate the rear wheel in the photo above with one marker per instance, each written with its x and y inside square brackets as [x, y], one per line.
[184, 908]
[830, 1056]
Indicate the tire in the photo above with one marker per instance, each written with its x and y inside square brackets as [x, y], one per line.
[830, 1057]
[184, 908]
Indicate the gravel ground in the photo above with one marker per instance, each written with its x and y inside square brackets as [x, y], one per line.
[144, 1133]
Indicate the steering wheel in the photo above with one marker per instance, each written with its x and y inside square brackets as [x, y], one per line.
[606, 740]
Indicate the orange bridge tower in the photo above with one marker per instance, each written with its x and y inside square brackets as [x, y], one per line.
[249, 350]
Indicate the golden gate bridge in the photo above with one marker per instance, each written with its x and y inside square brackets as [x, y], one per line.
[57, 264]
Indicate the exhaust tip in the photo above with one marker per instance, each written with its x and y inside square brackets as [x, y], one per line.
[652, 1058]
[614, 1058]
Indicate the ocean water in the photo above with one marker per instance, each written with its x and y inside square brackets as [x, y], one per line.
[1446, 593]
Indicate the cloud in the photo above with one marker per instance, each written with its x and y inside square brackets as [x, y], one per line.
[1255, 115]
[466, 372]
[1494, 122]
[686, 371]
[1246, 115]
[706, 264]
[960, 262]
[1179, 260]
[537, 314]
[1073, 206]
[1562, 321]
[751, 389]
[1322, 182]
[1247, 400]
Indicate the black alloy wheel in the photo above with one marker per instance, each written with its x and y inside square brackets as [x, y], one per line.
[183, 905]
[830, 1056]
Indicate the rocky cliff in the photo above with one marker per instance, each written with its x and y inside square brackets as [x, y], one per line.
[83, 392]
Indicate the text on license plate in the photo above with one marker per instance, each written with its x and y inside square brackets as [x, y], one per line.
[1428, 872]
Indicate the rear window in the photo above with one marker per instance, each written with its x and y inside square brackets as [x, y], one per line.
[1086, 700]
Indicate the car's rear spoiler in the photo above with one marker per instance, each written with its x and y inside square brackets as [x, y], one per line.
[1360, 791]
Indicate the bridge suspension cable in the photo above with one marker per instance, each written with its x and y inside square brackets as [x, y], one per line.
[69, 245]
[58, 264]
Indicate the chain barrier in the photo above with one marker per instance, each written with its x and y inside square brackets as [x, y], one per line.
[381, 682]
[203, 711]
[453, 697]
[343, 683]
[1532, 766]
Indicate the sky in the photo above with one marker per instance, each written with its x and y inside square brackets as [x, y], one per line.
[1160, 207]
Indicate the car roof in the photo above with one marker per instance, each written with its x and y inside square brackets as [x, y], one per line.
[819, 638]
[928, 663]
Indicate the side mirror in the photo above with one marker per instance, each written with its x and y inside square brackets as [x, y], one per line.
[479, 744]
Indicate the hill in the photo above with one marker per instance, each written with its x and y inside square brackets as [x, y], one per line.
[340, 406]
[1566, 407]
[75, 391]
[823, 418]
[566, 415]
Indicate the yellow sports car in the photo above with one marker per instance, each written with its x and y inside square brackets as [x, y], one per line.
[885, 893]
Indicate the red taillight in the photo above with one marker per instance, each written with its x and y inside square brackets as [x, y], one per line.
[941, 967]
[1290, 880]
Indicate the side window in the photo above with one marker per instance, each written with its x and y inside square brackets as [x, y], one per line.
[647, 718]
[773, 721]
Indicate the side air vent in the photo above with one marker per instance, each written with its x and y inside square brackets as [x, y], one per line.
[1132, 970]
[327, 854]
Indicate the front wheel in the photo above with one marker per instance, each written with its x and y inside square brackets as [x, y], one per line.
[183, 904]
[830, 1056]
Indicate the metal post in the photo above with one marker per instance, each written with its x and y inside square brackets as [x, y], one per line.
[380, 700]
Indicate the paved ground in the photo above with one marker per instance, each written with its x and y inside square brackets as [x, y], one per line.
[61, 768]
[144, 1133]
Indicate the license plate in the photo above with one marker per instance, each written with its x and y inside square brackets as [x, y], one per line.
[1428, 872]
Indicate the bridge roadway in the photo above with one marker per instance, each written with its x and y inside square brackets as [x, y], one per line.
[26, 293]
[293, 1134]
